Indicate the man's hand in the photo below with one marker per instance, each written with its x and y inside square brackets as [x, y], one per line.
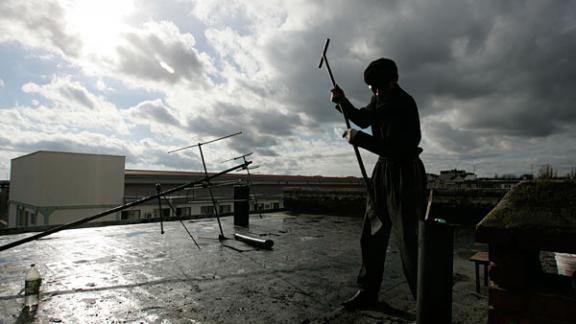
[337, 95]
[349, 135]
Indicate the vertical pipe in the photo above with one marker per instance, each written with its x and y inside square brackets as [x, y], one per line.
[435, 261]
[241, 205]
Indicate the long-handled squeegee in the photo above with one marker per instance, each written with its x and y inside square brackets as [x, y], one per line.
[323, 60]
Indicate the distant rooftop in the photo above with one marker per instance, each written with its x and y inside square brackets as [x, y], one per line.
[64, 153]
[256, 176]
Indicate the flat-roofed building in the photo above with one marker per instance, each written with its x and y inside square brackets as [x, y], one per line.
[48, 188]
[266, 191]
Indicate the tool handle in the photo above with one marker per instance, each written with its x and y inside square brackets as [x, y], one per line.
[324, 60]
[363, 170]
[158, 192]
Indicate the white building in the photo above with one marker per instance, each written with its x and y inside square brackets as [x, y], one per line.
[49, 188]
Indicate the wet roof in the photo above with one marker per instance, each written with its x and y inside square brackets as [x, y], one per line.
[132, 273]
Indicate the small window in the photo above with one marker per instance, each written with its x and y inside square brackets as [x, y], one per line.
[165, 213]
[130, 215]
[26, 218]
[207, 210]
[183, 211]
[19, 216]
[276, 205]
[224, 208]
[33, 218]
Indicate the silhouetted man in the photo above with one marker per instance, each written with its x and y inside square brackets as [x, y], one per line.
[398, 182]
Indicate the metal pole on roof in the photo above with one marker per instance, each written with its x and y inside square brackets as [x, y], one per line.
[158, 191]
[204, 143]
[180, 220]
[215, 211]
[214, 202]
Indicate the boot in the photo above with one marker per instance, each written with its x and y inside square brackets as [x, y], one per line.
[363, 299]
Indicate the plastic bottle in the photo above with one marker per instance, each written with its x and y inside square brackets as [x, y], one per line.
[32, 283]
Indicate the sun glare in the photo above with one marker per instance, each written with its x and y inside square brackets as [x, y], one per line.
[99, 23]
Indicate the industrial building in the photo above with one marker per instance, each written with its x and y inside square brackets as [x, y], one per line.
[49, 188]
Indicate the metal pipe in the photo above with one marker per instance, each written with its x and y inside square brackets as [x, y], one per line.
[435, 269]
[264, 244]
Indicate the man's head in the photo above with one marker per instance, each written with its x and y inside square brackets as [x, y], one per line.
[381, 74]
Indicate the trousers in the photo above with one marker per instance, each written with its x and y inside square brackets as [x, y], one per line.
[398, 202]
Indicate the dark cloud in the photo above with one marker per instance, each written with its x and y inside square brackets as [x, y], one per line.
[39, 22]
[4, 141]
[511, 59]
[252, 141]
[455, 140]
[184, 160]
[155, 110]
[162, 53]
[261, 129]
[77, 94]
[210, 126]
[504, 68]
[307, 87]
[274, 122]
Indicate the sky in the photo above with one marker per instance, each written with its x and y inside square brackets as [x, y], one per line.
[494, 81]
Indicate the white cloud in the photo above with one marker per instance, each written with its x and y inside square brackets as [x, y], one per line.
[65, 92]
[489, 77]
[103, 87]
[69, 105]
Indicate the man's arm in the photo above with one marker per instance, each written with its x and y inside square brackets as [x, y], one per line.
[376, 146]
[363, 117]
[365, 141]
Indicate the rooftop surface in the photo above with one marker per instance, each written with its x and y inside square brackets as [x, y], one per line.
[133, 274]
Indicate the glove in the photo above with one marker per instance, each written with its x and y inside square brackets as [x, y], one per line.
[349, 135]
